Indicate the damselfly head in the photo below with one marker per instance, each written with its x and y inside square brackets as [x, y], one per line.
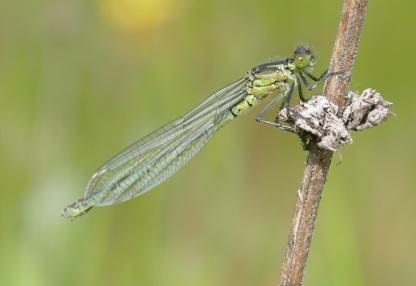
[303, 57]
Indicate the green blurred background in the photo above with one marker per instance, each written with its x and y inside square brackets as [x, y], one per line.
[80, 80]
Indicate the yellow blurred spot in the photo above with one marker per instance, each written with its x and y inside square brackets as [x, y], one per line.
[137, 15]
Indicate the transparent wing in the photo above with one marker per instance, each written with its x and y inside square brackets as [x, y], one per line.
[153, 159]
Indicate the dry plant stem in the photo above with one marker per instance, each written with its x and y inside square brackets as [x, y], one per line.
[319, 160]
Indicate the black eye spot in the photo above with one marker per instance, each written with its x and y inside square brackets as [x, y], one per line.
[299, 50]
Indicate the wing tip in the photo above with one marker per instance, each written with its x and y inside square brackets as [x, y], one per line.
[76, 209]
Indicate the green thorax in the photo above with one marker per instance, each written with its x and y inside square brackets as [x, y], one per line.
[266, 80]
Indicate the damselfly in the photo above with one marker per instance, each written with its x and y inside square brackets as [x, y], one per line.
[156, 157]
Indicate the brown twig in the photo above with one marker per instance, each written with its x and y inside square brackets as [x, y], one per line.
[319, 160]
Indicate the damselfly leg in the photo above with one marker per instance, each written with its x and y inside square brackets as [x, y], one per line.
[276, 123]
[286, 104]
[300, 92]
[318, 80]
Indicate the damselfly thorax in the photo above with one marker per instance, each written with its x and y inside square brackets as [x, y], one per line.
[264, 81]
